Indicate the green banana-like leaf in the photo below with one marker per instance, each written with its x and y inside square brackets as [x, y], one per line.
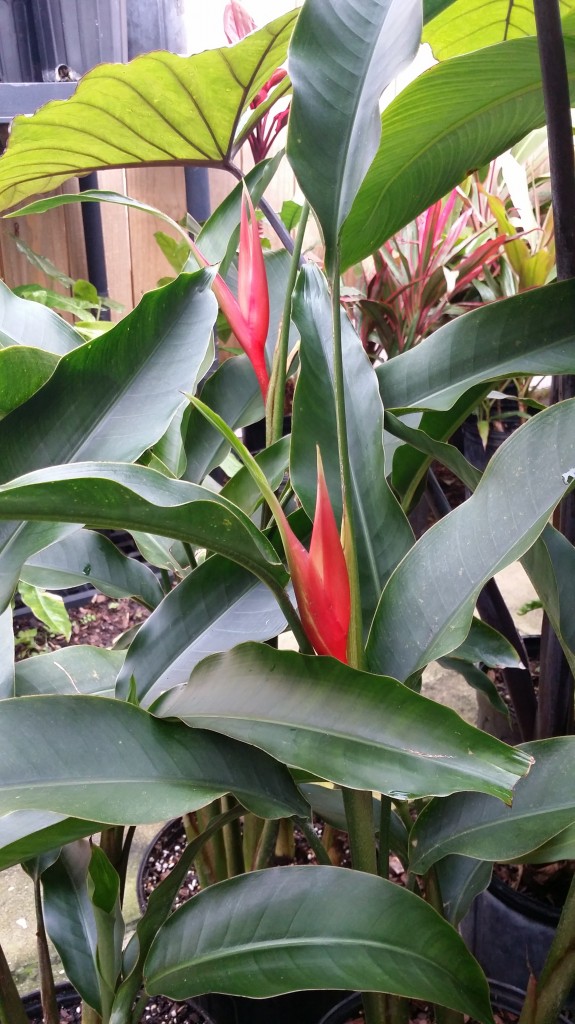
[69, 919]
[282, 929]
[25, 835]
[158, 109]
[483, 828]
[550, 565]
[78, 669]
[217, 606]
[117, 495]
[47, 608]
[91, 407]
[87, 557]
[343, 725]
[273, 461]
[471, 24]
[461, 879]
[475, 349]
[485, 644]
[341, 59]
[454, 118]
[103, 891]
[126, 767]
[23, 371]
[425, 610]
[382, 532]
[35, 326]
[446, 454]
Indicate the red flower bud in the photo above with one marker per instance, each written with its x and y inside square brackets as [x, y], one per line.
[320, 578]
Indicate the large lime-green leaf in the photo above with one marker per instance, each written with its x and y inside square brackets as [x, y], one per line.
[341, 59]
[23, 371]
[68, 670]
[480, 827]
[477, 347]
[117, 495]
[28, 834]
[159, 109]
[426, 608]
[69, 919]
[27, 323]
[470, 24]
[216, 606]
[87, 557]
[452, 119]
[341, 724]
[282, 929]
[383, 534]
[126, 767]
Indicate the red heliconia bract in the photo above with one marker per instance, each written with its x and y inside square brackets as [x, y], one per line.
[249, 314]
[320, 578]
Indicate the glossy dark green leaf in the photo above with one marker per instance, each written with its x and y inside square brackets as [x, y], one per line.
[483, 828]
[454, 118]
[78, 669]
[426, 608]
[461, 879]
[126, 767]
[69, 919]
[444, 453]
[23, 371]
[485, 644]
[116, 495]
[343, 725]
[550, 565]
[87, 557]
[341, 59]
[26, 323]
[466, 25]
[282, 929]
[475, 348]
[159, 109]
[383, 534]
[217, 606]
[28, 834]
[91, 407]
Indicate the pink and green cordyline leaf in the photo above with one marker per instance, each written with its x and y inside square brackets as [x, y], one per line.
[319, 576]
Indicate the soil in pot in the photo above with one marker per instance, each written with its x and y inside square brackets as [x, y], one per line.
[157, 1011]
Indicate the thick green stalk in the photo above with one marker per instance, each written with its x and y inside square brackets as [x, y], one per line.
[546, 997]
[11, 1009]
[47, 988]
[266, 844]
[253, 827]
[203, 864]
[233, 841]
[384, 835]
[277, 396]
[443, 1015]
[314, 841]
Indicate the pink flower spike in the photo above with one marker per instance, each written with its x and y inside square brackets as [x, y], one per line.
[320, 578]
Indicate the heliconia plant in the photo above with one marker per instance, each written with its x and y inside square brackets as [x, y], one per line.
[200, 715]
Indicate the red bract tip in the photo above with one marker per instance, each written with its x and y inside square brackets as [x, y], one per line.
[320, 578]
[249, 314]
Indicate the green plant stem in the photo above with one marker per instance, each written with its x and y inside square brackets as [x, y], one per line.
[314, 841]
[546, 997]
[89, 1015]
[47, 988]
[266, 844]
[11, 1009]
[281, 353]
[293, 619]
[233, 841]
[556, 684]
[190, 555]
[384, 835]
[111, 842]
[203, 864]
[123, 862]
[166, 582]
[443, 1015]
[355, 642]
[252, 833]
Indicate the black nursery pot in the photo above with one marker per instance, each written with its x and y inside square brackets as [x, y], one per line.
[503, 997]
[294, 1008]
[510, 933]
[68, 999]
